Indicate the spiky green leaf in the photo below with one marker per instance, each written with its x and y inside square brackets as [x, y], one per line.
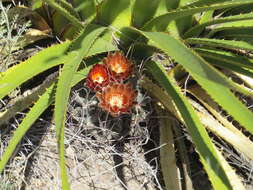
[229, 44]
[143, 12]
[79, 49]
[64, 12]
[39, 107]
[198, 133]
[194, 31]
[226, 56]
[215, 83]
[161, 22]
[38, 63]
[115, 14]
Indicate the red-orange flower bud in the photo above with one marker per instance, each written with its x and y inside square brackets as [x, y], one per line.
[117, 98]
[98, 77]
[119, 66]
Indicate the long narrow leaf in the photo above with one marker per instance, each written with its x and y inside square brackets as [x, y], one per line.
[167, 151]
[39, 107]
[143, 11]
[80, 48]
[236, 25]
[64, 12]
[228, 57]
[230, 44]
[215, 83]
[87, 8]
[43, 60]
[198, 133]
[38, 63]
[161, 22]
[119, 17]
[194, 31]
[227, 65]
[241, 34]
[45, 100]
[211, 2]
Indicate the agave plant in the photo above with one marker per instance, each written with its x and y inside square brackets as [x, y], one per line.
[204, 42]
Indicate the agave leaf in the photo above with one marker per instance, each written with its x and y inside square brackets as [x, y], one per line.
[161, 22]
[226, 56]
[119, 17]
[183, 155]
[167, 151]
[246, 79]
[36, 4]
[214, 126]
[69, 8]
[235, 180]
[195, 31]
[143, 12]
[75, 21]
[200, 137]
[38, 63]
[160, 95]
[79, 49]
[247, 24]
[215, 83]
[206, 17]
[240, 34]
[220, 125]
[229, 44]
[45, 59]
[233, 137]
[62, 27]
[178, 26]
[211, 2]
[38, 108]
[60, 23]
[24, 101]
[238, 10]
[185, 2]
[103, 44]
[227, 65]
[166, 100]
[171, 4]
[87, 8]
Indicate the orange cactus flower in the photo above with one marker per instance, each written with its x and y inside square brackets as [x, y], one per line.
[117, 98]
[119, 66]
[98, 77]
